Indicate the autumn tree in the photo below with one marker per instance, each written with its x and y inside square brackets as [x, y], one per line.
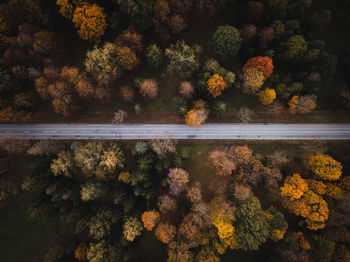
[149, 88]
[262, 63]
[92, 191]
[63, 165]
[183, 59]
[154, 56]
[150, 219]
[102, 62]
[196, 117]
[241, 191]
[166, 204]
[294, 187]
[100, 225]
[267, 96]
[253, 79]
[301, 104]
[90, 21]
[80, 252]
[177, 180]
[223, 165]
[99, 159]
[278, 224]
[126, 57]
[165, 232]
[132, 228]
[127, 93]
[66, 8]
[216, 85]
[226, 42]
[186, 89]
[162, 147]
[324, 167]
[131, 39]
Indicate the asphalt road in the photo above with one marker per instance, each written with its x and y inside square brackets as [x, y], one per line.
[206, 131]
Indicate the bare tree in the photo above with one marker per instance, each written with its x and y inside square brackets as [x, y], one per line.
[13, 143]
[245, 115]
[45, 147]
[119, 117]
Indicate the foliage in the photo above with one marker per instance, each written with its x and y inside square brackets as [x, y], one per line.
[324, 167]
[100, 225]
[216, 85]
[90, 20]
[92, 191]
[154, 56]
[149, 88]
[132, 228]
[223, 165]
[253, 79]
[165, 232]
[162, 147]
[196, 117]
[124, 177]
[226, 42]
[131, 39]
[63, 165]
[150, 219]
[99, 159]
[301, 104]
[126, 58]
[252, 226]
[183, 59]
[186, 89]
[102, 61]
[166, 204]
[294, 187]
[177, 180]
[66, 8]
[80, 252]
[262, 63]
[267, 96]
[295, 48]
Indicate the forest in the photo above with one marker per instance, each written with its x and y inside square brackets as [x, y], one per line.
[166, 61]
[190, 62]
[167, 200]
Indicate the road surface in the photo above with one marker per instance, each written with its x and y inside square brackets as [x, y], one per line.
[206, 131]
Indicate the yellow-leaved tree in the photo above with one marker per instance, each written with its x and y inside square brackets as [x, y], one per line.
[267, 96]
[324, 167]
[294, 187]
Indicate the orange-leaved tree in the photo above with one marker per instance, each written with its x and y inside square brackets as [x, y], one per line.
[216, 85]
[324, 167]
[262, 63]
[91, 21]
[195, 117]
[267, 96]
[66, 8]
[150, 219]
[80, 252]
